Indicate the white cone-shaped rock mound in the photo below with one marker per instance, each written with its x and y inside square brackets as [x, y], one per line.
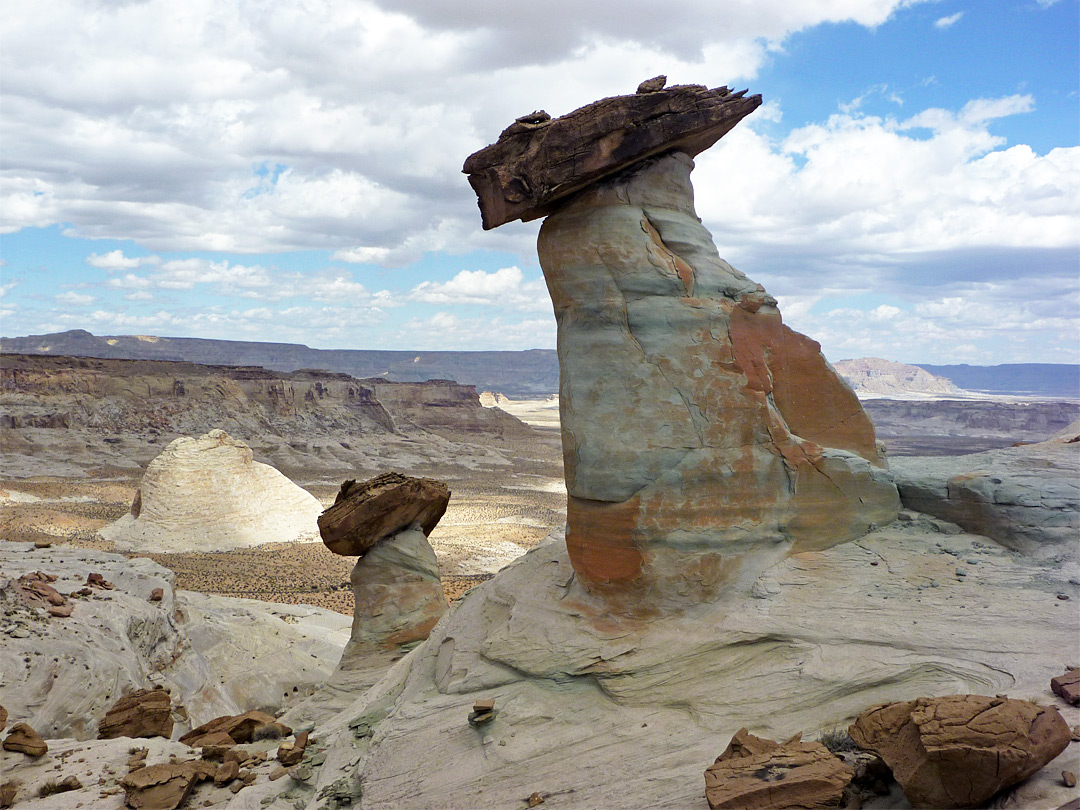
[208, 494]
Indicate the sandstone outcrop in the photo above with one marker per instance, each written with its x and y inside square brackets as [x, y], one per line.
[539, 160]
[754, 773]
[144, 713]
[365, 513]
[208, 494]
[703, 439]
[217, 655]
[397, 590]
[960, 750]
[23, 739]
[1027, 498]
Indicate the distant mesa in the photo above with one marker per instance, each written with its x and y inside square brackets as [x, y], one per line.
[208, 494]
[876, 377]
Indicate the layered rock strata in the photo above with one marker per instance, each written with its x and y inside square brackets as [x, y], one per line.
[1027, 498]
[702, 438]
[208, 494]
[397, 590]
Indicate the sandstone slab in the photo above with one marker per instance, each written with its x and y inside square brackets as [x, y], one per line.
[208, 494]
[959, 750]
[753, 773]
[165, 786]
[1067, 686]
[239, 727]
[538, 160]
[23, 739]
[143, 713]
[365, 513]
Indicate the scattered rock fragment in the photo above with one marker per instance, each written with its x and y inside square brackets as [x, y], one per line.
[289, 754]
[1068, 778]
[1067, 686]
[164, 786]
[98, 581]
[156, 595]
[8, 790]
[653, 85]
[483, 712]
[366, 512]
[959, 750]
[239, 728]
[226, 772]
[145, 713]
[754, 772]
[3, 718]
[25, 740]
[535, 799]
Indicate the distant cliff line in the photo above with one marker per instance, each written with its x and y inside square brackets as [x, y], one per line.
[517, 374]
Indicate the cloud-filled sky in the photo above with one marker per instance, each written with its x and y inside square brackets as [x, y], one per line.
[290, 170]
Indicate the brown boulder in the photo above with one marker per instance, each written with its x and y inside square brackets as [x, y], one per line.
[99, 581]
[239, 728]
[157, 595]
[755, 773]
[959, 750]
[146, 713]
[1067, 686]
[3, 718]
[25, 740]
[164, 786]
[365, 513]
[539, 160]
[226, 772]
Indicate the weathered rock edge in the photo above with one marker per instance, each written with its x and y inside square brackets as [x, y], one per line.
[539, 160]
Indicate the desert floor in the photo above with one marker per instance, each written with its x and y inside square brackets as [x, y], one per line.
[494, 515]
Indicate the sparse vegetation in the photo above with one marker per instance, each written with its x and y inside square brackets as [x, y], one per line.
[838, 740]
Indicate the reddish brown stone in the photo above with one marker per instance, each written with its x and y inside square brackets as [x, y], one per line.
[756, 773]
[157, 595]
[959, 750]
[226, 772]
[146, 713]
[25, 740]
[1067, 686]
[239, 727]
[538, 161]
[165, 786]
[98, 581]
[3, 718]
[365, 513]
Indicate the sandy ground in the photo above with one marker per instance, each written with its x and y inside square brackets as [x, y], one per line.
[493, 517]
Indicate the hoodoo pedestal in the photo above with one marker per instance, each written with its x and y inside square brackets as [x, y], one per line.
[703, 440]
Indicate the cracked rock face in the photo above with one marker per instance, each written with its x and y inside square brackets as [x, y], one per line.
[703, 440]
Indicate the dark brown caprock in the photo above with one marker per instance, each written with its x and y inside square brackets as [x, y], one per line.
[366, 512]
[539, 160]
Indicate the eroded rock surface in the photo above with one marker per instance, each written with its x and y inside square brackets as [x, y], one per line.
[217, 655]
[758, 774]
[959, 750]
[207, 494]
[143, 713]
[1027, 498]
[703, 439]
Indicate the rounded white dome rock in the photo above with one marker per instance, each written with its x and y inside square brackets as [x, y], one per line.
[208, 494]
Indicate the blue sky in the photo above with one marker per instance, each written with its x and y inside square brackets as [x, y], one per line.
[286, 171]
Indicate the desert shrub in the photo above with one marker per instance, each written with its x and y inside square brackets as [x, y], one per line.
[838, 741]
[271, 731]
